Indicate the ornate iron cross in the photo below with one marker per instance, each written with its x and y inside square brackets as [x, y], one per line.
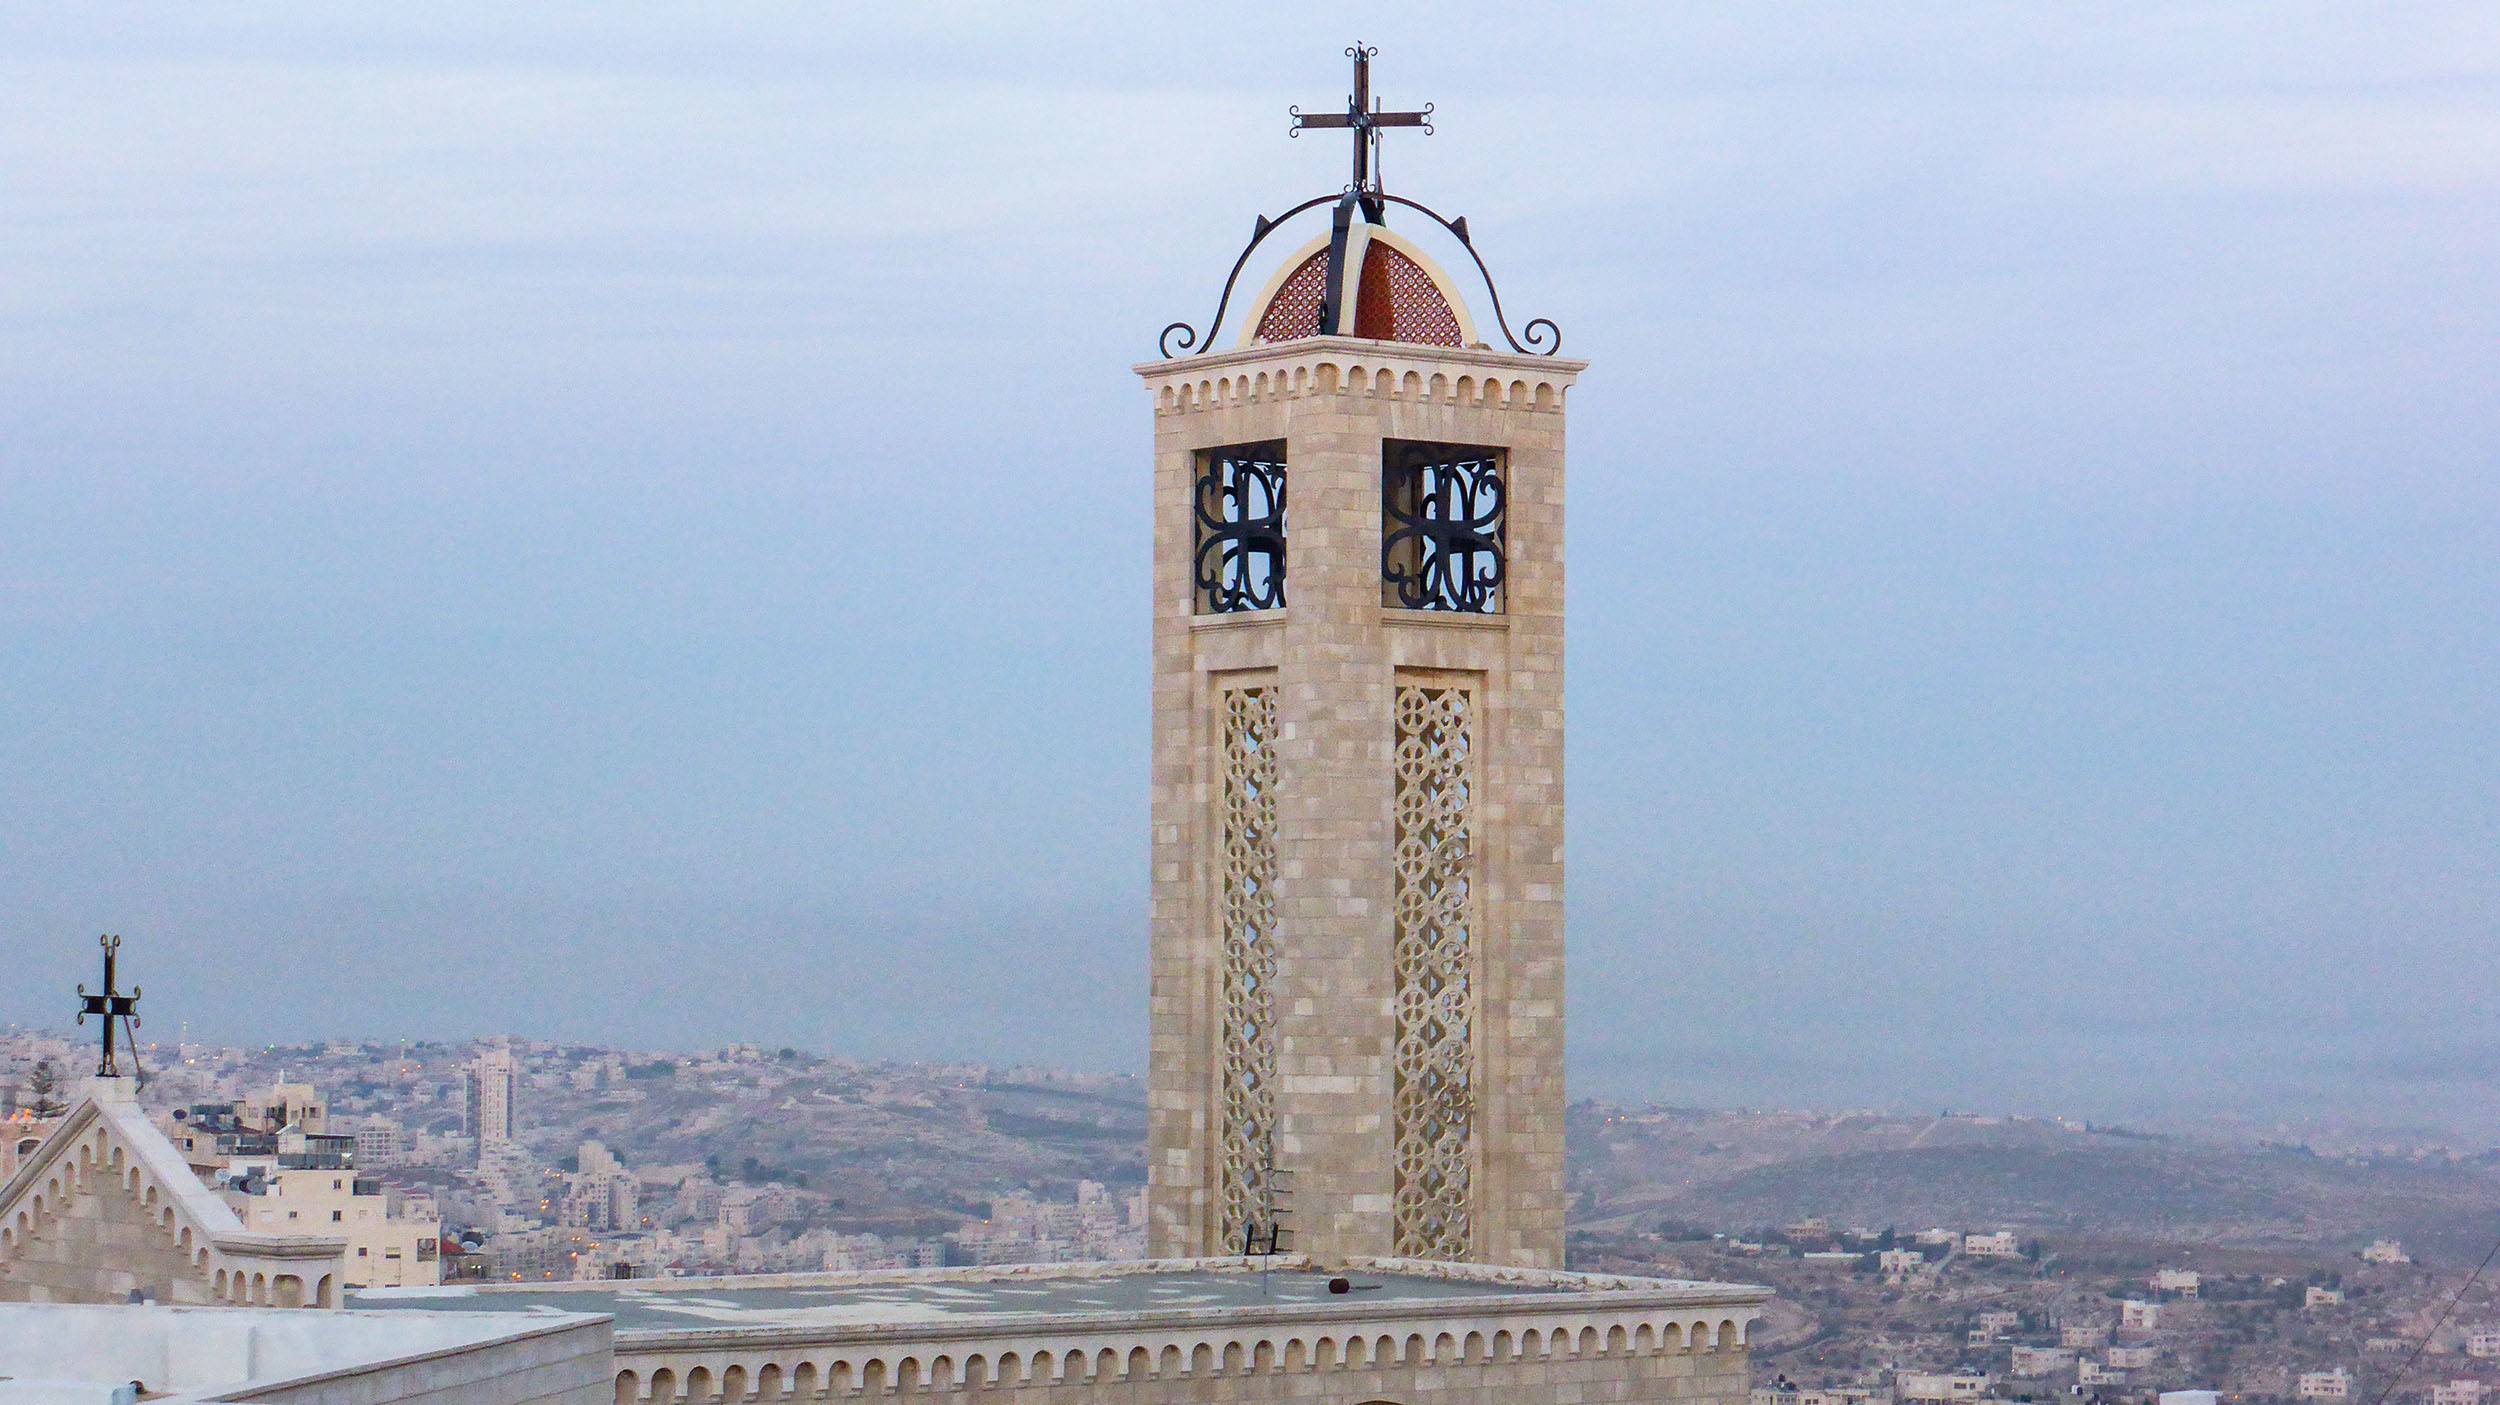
[1363, 119]
[113, 1006]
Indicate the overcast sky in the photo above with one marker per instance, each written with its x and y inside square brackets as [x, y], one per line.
[631, 524]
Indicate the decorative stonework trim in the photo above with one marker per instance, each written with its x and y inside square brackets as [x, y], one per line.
[1246, 992]
[1344, 365]
[736, 1366]
[1433, 917]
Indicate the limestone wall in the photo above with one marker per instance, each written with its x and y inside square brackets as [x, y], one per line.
[1334, 657]
[107, 1207]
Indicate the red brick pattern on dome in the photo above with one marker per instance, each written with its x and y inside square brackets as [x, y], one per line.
[1398, 301]
[1395, 301]
[1294, 311]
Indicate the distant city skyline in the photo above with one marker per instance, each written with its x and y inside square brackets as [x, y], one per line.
[623, 530]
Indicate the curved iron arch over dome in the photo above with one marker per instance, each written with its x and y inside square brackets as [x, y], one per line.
[1359, 280]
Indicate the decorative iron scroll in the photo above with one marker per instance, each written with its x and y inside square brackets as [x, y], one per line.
[1246, 917]
[1441, 527]
[1434, 1111]
[1363, 194]
[1239, 505]
[1539, 337]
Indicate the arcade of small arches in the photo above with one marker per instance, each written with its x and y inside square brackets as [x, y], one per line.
[95, 1166]
[1389, 382]
[800, 1376]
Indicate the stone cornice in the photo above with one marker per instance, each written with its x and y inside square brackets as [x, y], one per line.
[1315, 349]
[1352, 365]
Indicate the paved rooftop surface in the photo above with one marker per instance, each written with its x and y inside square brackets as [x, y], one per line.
[692, 1304]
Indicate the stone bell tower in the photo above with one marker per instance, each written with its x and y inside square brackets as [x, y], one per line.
[1358, 754]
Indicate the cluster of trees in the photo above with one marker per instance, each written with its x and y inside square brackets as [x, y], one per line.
[43, 1090]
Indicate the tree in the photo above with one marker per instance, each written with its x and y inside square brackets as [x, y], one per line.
[45, 1088]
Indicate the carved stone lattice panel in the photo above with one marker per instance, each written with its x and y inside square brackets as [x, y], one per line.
[1435, 1108]
[1239, 504]
[1246, 919]
[1441, 542]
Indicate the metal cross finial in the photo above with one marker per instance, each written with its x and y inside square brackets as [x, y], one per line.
[1363, 117]
[114, 1007]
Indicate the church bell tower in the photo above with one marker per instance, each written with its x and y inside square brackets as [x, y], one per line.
[1357, 927]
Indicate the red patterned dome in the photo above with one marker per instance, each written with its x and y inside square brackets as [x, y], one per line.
[1397, 296]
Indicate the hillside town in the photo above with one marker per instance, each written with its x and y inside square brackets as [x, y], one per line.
[1940, 1315]
[529, 1161]
[519, 1161]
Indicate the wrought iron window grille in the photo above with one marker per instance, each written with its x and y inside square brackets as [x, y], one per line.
[1239, 504]
[1441, 509]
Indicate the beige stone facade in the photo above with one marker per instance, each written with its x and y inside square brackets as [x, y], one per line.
[106, 1207]
[1334, 664]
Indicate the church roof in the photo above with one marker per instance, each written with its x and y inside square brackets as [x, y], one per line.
[996, 1297]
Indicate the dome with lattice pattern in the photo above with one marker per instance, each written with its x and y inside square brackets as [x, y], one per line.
[1395, 292]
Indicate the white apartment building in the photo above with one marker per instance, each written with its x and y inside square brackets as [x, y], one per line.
[600, 1193]
[494, 1086]
[2458, 1392]
[389, 1245]
[2324, 1385]
[284, 1104]
[2178, 1282]
[2317, 1297]
[2083, 1338]
[2091, 1372]
[2385, 1251]
[2001, 1245]
[2139, 1315]
[2131, 1358]
[2483, 1342]
[380, 1143]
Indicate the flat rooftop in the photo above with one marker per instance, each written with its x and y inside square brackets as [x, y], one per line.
[947, 1296]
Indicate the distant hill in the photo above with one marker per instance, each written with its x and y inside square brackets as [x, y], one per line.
[1736, 1170]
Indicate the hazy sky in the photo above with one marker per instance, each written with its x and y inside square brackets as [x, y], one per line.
[630, 523]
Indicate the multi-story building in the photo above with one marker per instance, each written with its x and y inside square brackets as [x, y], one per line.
[2177, 1282]
[2316, 1297]
[1942, 1388]
[600, 1193]
[2083, 1337]
[310, 1186]
[2458, 1392]
[2032, 1362]
[2001, 1245]
[2131, 1358]
[2385, 1251]
[494, 1086]
[380, 1144]
[2323, 1385]
[2483, 1342]
[284, 1104]
[2139, 1315]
